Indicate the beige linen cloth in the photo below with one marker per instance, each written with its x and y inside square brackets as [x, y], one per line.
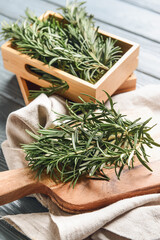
[134, 218]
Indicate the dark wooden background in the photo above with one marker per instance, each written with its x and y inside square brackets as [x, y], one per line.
[136, 20]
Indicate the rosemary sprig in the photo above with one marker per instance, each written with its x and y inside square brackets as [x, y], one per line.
[57, 85]
[87, 141]
[73, 45]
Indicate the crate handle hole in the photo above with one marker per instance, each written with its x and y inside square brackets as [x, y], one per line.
[34, 71]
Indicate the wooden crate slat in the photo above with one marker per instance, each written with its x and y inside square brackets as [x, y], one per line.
[25, 86]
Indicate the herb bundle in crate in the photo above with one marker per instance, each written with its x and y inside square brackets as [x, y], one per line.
[68, 55]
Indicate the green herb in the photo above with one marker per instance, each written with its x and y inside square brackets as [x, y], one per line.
[89, 140]
[57, 85]
[73, 45]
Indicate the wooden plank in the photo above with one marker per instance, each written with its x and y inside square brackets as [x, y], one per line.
[144, 79]
[153, 5]
[4, 112]
[37, 6]
[7, 232]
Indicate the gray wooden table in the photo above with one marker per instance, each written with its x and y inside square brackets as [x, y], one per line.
[136, 20]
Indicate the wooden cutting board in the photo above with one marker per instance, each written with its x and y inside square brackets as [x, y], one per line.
[88, 194]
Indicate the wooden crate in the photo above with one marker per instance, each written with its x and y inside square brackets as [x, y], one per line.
[18, 63]
[25, 86]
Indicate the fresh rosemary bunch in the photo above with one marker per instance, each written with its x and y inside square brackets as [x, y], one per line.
[73, 45]
[89, 140]
[57, 85]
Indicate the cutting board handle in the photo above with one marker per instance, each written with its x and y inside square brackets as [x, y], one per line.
[15, 184]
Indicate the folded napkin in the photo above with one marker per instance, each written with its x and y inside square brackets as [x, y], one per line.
[134, 218]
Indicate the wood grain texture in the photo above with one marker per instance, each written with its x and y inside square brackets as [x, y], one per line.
[94, 194]
[25, 86]
[153, 6]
